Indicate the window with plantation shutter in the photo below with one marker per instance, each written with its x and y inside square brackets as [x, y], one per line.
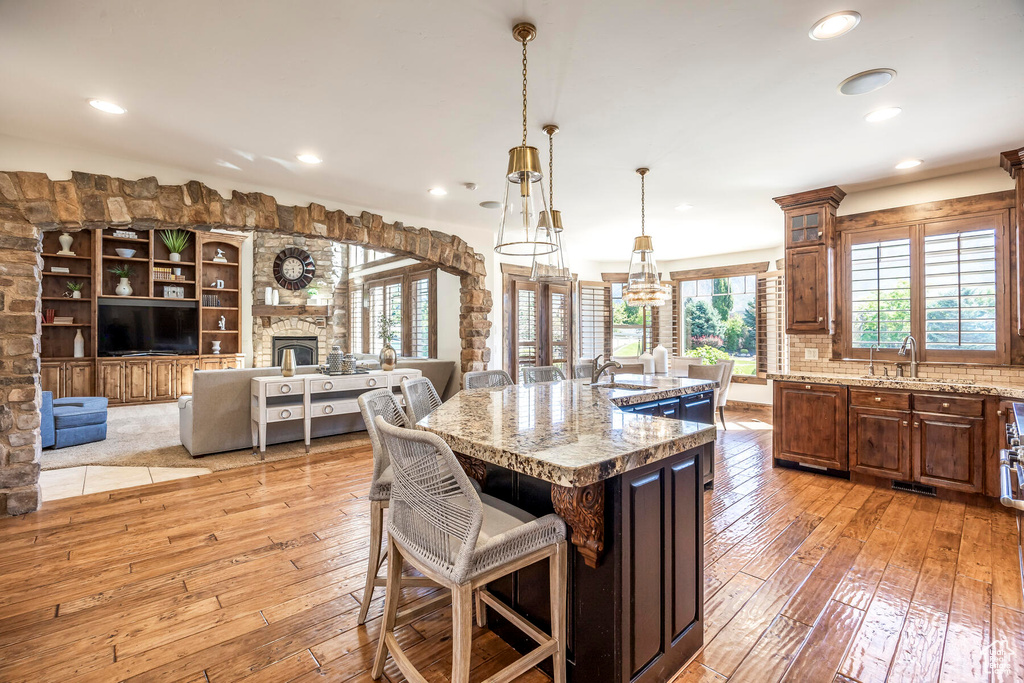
[595, 320]
[539, 323]
[419, 318]
[375, 308]
[880, 293]
[960, 290]
[393, 308]
[410, 299]
[355, 319]
[772, 346]
[664, 323]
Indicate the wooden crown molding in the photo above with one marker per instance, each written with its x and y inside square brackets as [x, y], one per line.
[721, 271]
[1012, 161]
[928, 211]
[833, 194]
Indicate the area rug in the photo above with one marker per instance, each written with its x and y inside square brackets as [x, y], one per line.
[147, 436]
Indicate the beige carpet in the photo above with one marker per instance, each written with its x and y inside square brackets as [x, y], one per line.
[147, 436]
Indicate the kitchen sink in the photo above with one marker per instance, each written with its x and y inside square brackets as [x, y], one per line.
[930, 380]
[622, 385]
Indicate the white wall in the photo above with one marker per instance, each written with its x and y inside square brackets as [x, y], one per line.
[993, 179]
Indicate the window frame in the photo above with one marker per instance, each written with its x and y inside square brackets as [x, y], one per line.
[647, 331]
[405, 277]
[516, 279]
[917, 231]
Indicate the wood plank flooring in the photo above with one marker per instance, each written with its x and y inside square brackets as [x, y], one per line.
[255, 574]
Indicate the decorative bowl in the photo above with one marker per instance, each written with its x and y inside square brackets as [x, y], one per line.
[125, 253]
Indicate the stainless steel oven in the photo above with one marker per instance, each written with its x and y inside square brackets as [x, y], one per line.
[1011, 470]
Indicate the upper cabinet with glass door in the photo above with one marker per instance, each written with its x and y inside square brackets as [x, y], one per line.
[805, 226]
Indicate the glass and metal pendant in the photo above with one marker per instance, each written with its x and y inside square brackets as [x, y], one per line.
[520, 232]
[553, 266]
[643, 284]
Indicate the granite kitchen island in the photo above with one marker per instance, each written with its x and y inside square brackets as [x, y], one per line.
[629, 485]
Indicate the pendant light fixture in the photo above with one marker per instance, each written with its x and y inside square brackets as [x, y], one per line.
[643, 285]
[520, 232]
[553, 266]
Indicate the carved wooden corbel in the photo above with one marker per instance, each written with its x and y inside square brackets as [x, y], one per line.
[474, 469]
[582, 508]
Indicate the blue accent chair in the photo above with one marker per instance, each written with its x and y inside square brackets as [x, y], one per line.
[78, 420]
[46, 426]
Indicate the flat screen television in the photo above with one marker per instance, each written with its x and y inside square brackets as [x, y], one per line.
[153, 327]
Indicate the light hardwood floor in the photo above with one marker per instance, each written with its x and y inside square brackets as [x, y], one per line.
[255, 573]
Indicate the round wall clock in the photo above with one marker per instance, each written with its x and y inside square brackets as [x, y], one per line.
[294, 268]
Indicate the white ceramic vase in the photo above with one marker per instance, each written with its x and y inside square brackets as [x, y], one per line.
[660, 360]
[77, 294]
[215, 344]
[268, 296]
[276, 298]
[124, 288]
[65, 243]
[175, 256]
[79, 344]
[647, 361]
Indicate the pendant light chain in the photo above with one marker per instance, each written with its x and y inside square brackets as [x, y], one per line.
[524, 93]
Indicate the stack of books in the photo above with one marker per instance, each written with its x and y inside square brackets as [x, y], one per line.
[130, 234]
[167, 274]
[211, 300]
[63, 320]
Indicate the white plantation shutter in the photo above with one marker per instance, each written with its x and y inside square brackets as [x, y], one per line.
[960, 291]
[420, 318]
[666, 322]
[880, 293]
[376, 307]
[393, 302]
[355, 318]
[772, 346]
[595, 320]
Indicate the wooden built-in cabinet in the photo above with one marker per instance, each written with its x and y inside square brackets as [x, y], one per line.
[807, 289]
[67, 378]
[935, 439]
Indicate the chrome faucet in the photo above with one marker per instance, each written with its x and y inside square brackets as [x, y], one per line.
[871, 359]
[909, 339]
[599, 369]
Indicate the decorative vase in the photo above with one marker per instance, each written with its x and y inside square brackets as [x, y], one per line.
[660, 360]
[268, 296]
[288, 363]
[77, 294]
[79, 344]
[215, 344]
[65, 244]
[334, 361]
[387, 358]
[276, 298]
[647, 361]
[175, 256]
[124, 288]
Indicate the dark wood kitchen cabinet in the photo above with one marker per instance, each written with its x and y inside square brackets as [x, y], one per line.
[949, 451]
[807, 289]
[880, 442]
[811, 424]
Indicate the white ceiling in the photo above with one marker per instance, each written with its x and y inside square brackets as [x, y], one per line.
[729, 103]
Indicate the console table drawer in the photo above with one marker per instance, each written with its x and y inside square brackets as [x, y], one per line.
[397, 376]
[284, 413]
[949, 405]
[320, 386]
[879, 399]
[286, 388]
[339, 407]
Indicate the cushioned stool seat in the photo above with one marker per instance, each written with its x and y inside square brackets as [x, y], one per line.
[78, 420]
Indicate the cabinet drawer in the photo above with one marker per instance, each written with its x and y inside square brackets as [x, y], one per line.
[398, 375]
[285, 388]
[949, 405]
[320, 386]
[339, 407]
[869, 398]
[282, 413]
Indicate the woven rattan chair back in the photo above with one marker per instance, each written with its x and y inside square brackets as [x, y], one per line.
[382, 403]
[421, 398]
[543, 373]
[483, 379]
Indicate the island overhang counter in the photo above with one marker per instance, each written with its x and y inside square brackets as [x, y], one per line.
[628, 484]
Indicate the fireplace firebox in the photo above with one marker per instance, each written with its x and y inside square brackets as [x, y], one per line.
[305, 348]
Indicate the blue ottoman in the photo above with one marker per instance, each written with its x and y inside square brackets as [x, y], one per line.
[79, 420]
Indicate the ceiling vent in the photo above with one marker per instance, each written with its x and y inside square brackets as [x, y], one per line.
[867, 81]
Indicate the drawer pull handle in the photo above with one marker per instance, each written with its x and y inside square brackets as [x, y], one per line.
[372, 382]
[328, 410]
[807, 387]
[286, 413]
[328, 386]
[945, 405]
[917, 425]
[286, 388]
[905, 423]
[878, 399]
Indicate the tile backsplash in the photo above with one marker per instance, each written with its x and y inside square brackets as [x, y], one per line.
[822, 343]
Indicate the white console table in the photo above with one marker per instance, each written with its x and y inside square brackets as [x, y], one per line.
[305, 397]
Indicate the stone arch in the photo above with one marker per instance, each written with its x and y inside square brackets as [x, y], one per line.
[31, 203]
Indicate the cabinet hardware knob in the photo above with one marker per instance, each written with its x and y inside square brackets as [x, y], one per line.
[1000, 413]
[820, 318]
[286, 413]
[372, 382]
[917, 424]
[807, 386]
[328, 410]
[878, 399]
[328, 385]
[905, 423]
[286, 389]
[945, 405]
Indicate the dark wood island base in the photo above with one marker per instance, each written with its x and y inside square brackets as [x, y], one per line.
[636, 590]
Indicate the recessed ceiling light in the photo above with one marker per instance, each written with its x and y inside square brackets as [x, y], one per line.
[684, 207]
[834, 25]
[108, 107]
[490, 204]
[909, 163]
[883, 114]
[867, 81]
[308, 158]
[438, 191]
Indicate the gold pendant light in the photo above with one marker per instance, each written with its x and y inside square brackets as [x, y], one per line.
[520, 232]
[643, 284]
[553, 266]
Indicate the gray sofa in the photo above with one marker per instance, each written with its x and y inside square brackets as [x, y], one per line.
[215, 418]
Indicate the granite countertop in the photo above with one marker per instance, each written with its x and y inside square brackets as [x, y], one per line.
[568, 433]
[905, 383]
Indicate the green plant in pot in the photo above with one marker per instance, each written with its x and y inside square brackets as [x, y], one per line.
[76, 289]
[124, 287]
[385, 331]
[176, 241]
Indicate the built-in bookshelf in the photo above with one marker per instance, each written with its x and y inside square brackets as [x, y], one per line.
[221, 281]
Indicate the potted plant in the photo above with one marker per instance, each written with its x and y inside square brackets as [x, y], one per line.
[123, 271]
[176, 241]
[387, 356]
[76, 289]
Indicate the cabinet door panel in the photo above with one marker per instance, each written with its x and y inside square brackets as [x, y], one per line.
[78, 379]
[811, 424]
[698, 408]
[163, 380]
[948, 451]
[111, 380]
[51, 378]
[807, 289]
[880, 442]
[185, 368]
[136, 381]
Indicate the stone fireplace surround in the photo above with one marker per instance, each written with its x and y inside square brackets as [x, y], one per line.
[30, 203]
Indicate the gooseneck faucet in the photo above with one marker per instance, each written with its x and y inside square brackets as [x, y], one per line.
[871, 359]
[599, 369]
[909, 340]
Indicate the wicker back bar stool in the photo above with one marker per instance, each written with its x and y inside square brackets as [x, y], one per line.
[421, 398]
[463, 539]
[482, 379]
[542, 373]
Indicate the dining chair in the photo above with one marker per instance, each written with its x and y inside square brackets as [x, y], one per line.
[482, 379]
[421, 398]
[542, 373]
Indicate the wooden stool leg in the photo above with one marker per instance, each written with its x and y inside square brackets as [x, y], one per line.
[481, 610]
[391, 597]
[557, 571]
[462, 632]
[376, 532]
